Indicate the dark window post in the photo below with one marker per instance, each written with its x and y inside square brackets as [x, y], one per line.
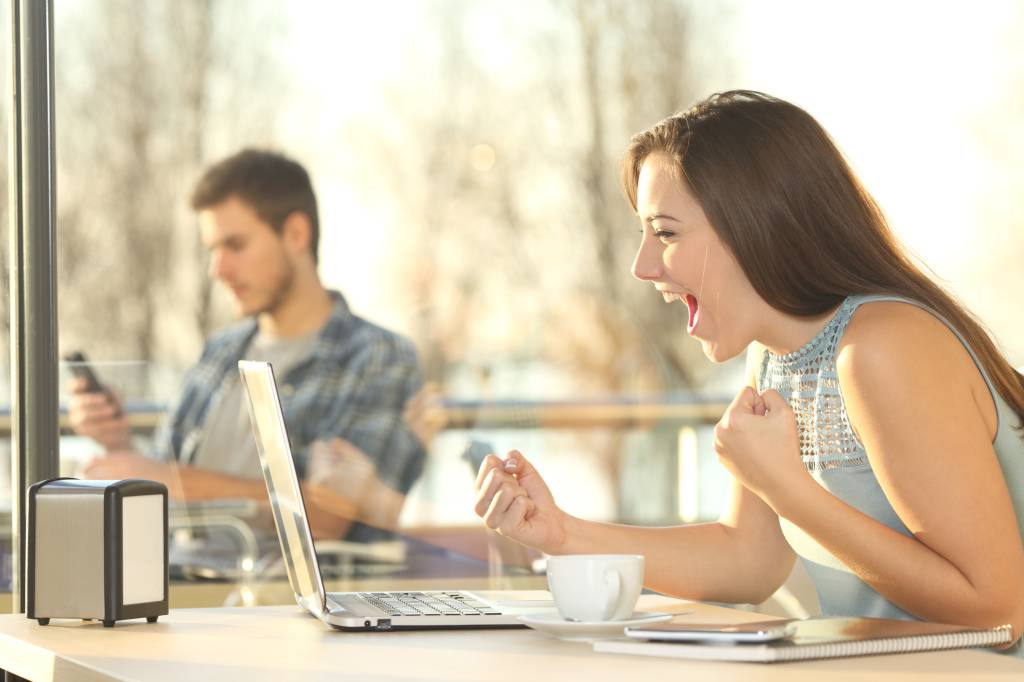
[34, 434]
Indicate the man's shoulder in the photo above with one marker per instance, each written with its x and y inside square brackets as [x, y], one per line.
[360, 351]
[359, 337]
[230, 339]
[376, 335]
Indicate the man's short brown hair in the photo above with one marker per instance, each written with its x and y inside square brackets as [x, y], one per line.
[271, 183]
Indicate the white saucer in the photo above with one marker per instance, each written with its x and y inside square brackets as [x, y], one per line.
[553, 624]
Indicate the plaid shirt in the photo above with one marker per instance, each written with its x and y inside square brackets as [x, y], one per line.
[354, 386]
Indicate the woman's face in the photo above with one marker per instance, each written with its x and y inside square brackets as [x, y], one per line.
[682, 256]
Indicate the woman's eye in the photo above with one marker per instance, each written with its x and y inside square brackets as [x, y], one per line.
[663, 234]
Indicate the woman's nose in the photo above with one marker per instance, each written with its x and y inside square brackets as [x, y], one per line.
[647, 264]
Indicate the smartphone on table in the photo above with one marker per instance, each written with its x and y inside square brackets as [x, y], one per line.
[761, 631]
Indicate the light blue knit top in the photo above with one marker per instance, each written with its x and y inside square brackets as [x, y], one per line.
[837, 460]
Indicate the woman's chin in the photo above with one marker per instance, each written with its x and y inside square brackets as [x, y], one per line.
[717, 353]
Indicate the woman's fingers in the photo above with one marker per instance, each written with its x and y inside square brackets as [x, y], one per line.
[508, 493]
[490, 463]
[492, 483]
[500, 504]
[774, 402]
[517, 513]
[485, 490]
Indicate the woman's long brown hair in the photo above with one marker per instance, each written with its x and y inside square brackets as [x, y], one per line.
[807, 234]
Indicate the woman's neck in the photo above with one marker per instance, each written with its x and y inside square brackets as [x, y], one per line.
[783, 333]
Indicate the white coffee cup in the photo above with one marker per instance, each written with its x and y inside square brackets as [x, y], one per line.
[595, 587]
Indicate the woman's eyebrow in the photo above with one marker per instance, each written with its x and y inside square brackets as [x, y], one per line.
[661, 216]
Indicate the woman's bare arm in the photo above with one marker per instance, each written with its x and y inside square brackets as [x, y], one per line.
[741, 558]
[912, 395]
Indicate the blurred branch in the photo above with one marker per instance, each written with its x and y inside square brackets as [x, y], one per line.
[137, 115]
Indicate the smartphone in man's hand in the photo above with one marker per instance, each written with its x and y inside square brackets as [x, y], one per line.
[80, 368]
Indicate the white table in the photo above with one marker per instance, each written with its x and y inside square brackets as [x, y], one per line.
[283, 643]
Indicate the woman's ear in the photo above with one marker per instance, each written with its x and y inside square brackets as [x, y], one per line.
[297, 232]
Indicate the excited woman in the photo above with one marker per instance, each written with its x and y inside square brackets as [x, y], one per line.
[879, 439]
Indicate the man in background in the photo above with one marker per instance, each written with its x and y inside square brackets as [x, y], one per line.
[344, 382]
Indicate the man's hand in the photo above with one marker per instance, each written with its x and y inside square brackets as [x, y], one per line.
[330, 515]
[339, 476]
[343, 482]
[424, 415]
[341, 467]
[99, 416]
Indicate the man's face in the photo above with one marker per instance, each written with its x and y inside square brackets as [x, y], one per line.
[247, 256]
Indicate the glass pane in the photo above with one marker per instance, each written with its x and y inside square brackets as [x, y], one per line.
[464, 162]
[496, 247]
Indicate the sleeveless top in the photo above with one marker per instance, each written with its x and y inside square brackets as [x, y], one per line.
[835, 457]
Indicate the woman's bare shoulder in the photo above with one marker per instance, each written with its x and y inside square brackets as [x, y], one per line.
[893, 352]
[890, 335]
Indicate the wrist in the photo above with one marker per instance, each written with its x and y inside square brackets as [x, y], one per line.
[792, 504]
[568, 537]
[387, 506]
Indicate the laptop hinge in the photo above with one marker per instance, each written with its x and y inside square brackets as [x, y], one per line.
[315, 604]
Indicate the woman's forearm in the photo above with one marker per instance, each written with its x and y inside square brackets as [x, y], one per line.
[706, 561]
[902, 569]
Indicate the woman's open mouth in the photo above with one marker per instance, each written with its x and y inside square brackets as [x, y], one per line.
[694, 307]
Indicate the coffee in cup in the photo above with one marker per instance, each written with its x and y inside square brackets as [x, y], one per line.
[595, 587]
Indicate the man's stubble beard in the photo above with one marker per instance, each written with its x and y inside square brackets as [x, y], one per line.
[280, 293]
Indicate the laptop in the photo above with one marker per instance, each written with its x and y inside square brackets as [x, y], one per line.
[343, 610]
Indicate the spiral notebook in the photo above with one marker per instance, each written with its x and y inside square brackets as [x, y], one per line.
[824, 638]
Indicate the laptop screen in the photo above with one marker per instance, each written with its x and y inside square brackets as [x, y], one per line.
[282, 484]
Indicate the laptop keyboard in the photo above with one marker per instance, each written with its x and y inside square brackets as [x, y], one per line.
[428, 604]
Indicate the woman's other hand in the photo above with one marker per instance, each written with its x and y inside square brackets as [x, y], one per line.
[758, 442]
[514, 500]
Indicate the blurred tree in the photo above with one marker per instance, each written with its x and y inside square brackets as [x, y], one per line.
[633, 70]
[516, 241]
[516, 236]
[142, 90]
